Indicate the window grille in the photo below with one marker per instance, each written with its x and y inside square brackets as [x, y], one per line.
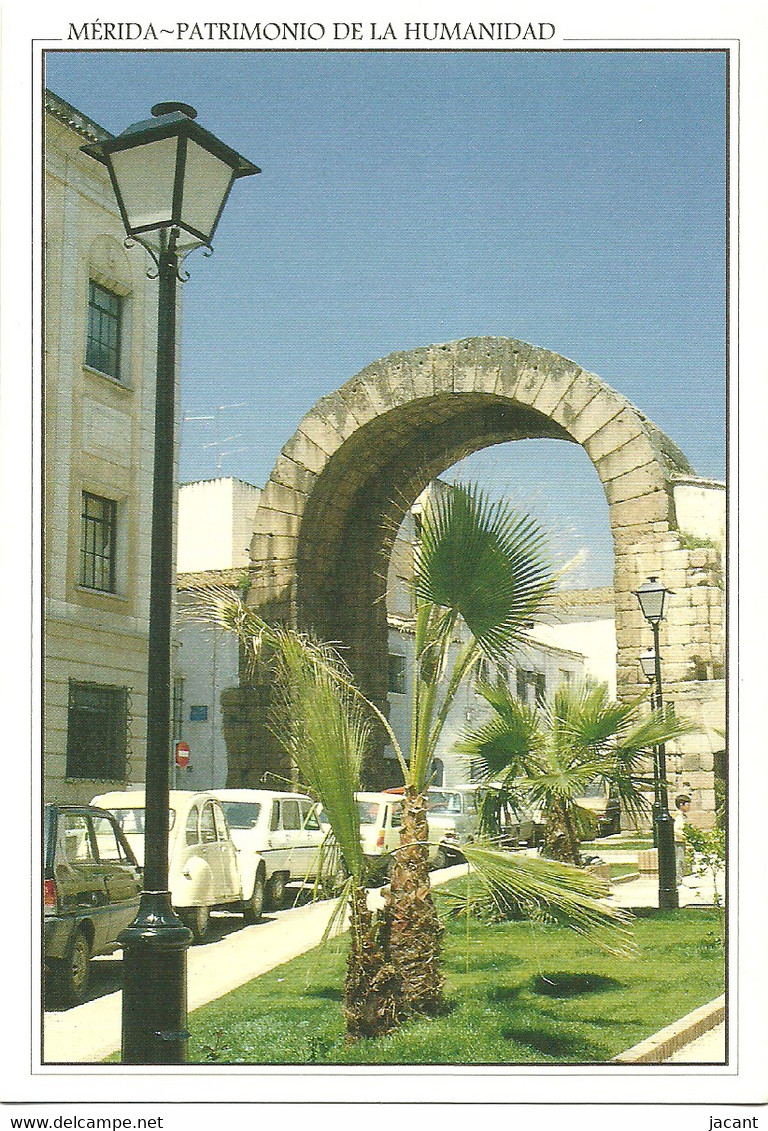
[97, 543]
[97, 731]
[102, 345]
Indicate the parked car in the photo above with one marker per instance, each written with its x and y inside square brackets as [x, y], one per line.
[380, 817]
[203, 868]
[92, 884]
[280, 828]
[605, 810]
[457, 809]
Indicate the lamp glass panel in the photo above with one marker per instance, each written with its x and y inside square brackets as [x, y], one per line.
[145, 175]
[206, 181]
[648, 664]
[651, 598]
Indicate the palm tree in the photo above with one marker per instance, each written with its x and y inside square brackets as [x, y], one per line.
[478, 562]
[481, 563]
[549, 756]
[321, 721]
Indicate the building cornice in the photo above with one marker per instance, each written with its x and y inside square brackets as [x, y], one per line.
[82, 125]
[697, 481]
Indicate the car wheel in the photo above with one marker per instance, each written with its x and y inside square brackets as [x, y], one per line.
[197, 919]
[253, 908]
[70, 975]
[276, 890]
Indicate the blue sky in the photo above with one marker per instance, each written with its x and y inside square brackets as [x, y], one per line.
[575, 200]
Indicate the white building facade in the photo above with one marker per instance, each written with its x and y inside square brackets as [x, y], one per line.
[215, 528]
[533, 673]
[100, 333]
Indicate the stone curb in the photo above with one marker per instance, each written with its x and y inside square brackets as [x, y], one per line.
[656, 1049]
[627, 879]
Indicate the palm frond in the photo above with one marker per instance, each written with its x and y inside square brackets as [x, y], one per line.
[486, 562]
[326, 733]
[557, 752]
[555, 891]
[510, 742]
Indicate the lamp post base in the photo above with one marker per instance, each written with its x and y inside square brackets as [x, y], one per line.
[665, 839]
[155, 984]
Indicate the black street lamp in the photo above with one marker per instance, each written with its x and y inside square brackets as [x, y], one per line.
[648, 665]
[653, 597]
[171, 178]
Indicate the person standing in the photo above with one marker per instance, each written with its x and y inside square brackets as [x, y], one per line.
[682, 804]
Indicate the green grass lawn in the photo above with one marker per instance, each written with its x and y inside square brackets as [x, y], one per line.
[636, 844]
[527, 995]
[622, 870]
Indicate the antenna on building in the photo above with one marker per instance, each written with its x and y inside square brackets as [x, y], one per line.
[217, 443]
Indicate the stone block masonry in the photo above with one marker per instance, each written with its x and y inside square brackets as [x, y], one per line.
[365, 452]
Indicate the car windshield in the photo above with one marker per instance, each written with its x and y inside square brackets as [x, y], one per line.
[132, 820]
[368, 812]
[441, 801]
[242, 814]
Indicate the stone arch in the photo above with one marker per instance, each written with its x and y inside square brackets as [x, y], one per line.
[327, 517]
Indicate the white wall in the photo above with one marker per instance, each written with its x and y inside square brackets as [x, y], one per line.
[215, 524]
[594, 638]
[207, 660]
[469, 709]
[700, 508]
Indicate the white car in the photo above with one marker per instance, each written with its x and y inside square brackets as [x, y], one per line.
[456, 812]
[280, 828]
[380, 817]
[203, 866]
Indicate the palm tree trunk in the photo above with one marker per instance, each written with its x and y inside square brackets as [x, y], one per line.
[573, 840]
[372, 996]
[560, 840]
[415, 931]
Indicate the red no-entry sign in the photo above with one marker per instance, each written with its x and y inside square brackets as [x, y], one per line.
[182, 753]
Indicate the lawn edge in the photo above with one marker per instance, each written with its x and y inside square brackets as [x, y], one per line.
[672, 1038]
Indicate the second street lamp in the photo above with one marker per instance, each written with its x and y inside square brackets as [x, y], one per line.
[653, 597]
[648, 665]
[171, 178]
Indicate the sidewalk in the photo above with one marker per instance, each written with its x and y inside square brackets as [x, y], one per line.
[706, 1049]
[644, 892]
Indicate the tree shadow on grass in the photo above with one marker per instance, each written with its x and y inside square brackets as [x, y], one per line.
[564, 984]
[554, 1044]
[326, 993]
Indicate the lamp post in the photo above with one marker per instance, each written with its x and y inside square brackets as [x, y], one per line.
[171, 178]
[648, 665]
[653, 597]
